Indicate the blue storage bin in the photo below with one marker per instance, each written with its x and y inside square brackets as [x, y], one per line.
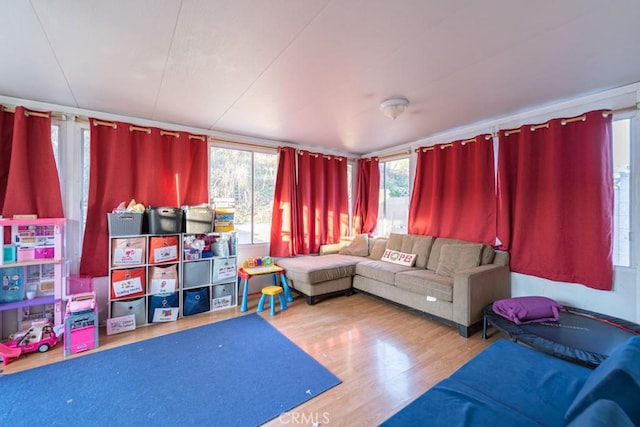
[11, 280]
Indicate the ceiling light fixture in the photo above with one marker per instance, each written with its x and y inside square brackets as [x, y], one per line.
[393, 107]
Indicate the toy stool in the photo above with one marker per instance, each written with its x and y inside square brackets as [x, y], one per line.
[272, 291]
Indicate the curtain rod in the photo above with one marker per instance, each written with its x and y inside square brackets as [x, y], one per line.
[36, 114]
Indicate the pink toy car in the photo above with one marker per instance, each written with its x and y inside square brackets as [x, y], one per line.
[39, 337]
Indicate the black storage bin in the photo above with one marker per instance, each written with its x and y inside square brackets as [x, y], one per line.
[164, 220]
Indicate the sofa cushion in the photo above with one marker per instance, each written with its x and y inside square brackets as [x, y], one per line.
[419, 245]
[488, 253]
[617, 379]
[377, 247]
[454, 258]
[602, 413]
[426, 283]
[359, 246]
[395, 241]
[316, 269]
[379, 270]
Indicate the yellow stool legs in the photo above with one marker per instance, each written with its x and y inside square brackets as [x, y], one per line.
[272, 291]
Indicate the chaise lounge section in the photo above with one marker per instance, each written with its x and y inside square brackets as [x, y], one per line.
[448, 280]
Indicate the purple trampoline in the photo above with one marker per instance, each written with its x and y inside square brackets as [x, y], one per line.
[580, 336]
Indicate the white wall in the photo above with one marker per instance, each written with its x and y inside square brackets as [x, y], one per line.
[622, 301]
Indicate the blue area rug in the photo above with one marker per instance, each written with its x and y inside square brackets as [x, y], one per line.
[237, 372]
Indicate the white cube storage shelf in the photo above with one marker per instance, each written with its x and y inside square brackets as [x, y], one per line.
[144, 267]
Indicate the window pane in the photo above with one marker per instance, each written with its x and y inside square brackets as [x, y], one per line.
[622, 193]
[230, 177]
[393, 211]
[56, 146]
[248, 178]
[86, 161]
[265, 166]
[350, 193]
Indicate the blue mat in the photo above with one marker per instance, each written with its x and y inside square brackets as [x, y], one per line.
[237, 372]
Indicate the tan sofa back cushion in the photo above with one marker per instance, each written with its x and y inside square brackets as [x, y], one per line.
[377, 247]
[412, 244]
[419, 245]
[487, 255]
[454, 258]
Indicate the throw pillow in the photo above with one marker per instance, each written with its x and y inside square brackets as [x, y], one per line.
[359, 246]
[521, 310]
[454, 258]
[397, 257]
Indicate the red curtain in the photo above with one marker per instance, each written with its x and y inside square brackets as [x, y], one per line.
[6, 135]
[284, 221]
[365, 210]
[323, 210]
[155, 167]
[29, 182]
[555, 198]
[454, 191]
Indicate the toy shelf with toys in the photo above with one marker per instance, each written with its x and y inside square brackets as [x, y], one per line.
[32, 273]
[209, 272]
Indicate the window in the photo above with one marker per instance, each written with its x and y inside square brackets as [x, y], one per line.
[86, 161]
[622, 192]
[249, 178]
[55, 130]
[393, 210]
[350, 193]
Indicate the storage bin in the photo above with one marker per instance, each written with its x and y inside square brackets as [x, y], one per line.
[128, 251]
[12, 281]
[128, 282]
[164, 249]
[26, 254]
[199, 220]
[125, 223]
[163, 279]
[224, 269]
[196, 301]
[44, 252]
[164, 220]
[134, 306]
[196, 273]
[223, 296]
[168, 302]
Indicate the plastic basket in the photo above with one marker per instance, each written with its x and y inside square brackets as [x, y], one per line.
[165, 220]
[199, 219]
[125, 223]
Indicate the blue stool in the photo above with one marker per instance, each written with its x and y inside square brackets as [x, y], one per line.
[272, 291]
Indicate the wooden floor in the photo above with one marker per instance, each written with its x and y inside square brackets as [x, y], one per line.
[385, 356]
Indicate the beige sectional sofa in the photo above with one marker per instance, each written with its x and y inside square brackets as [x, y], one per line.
[451, 280]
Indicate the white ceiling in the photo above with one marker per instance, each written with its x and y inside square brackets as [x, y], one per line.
[313, 72]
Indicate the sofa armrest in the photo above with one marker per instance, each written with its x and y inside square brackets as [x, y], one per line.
[473, 289]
